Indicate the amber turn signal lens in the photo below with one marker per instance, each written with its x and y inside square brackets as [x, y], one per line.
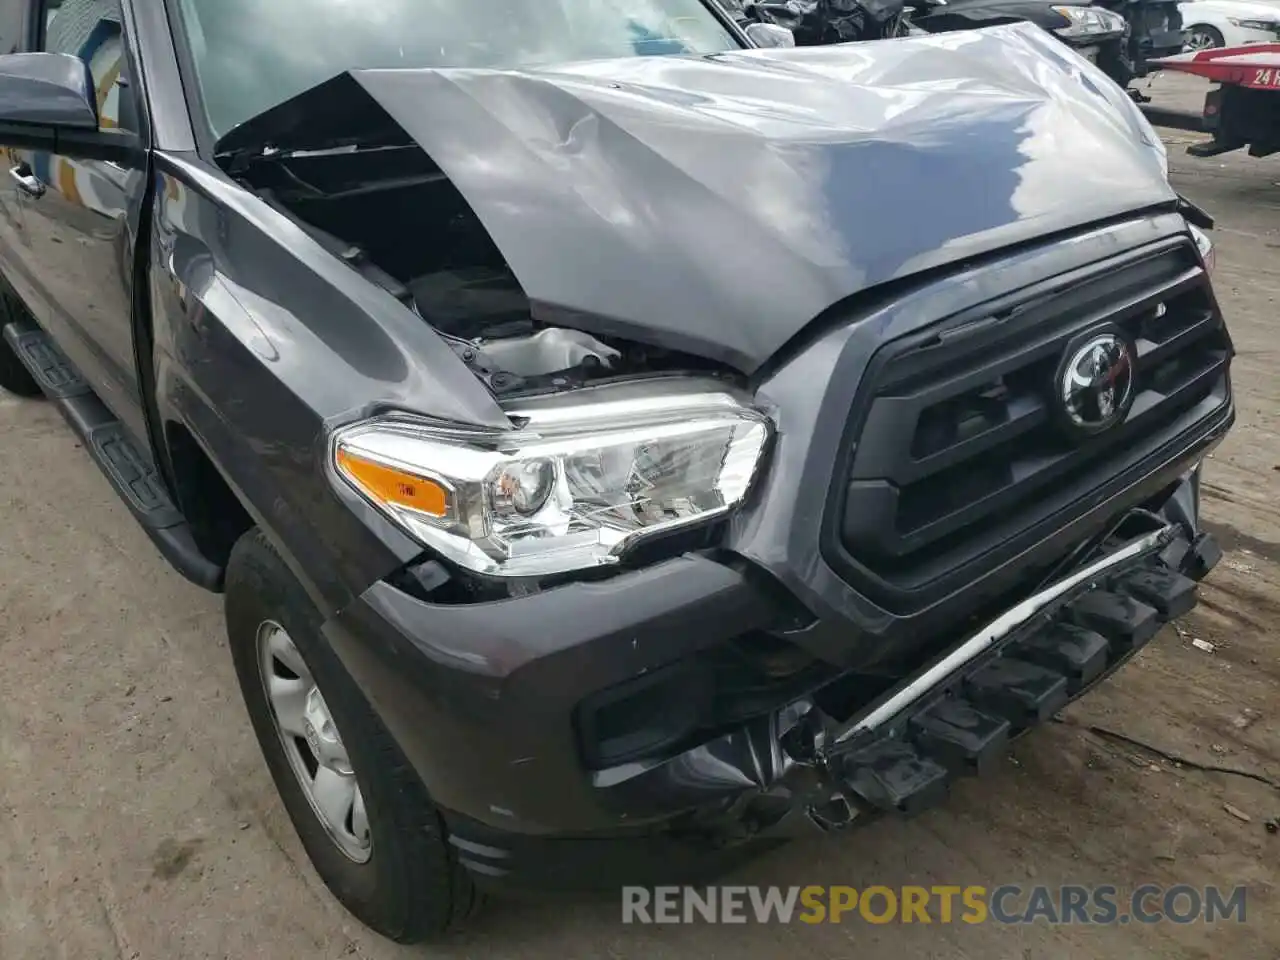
[393, 487]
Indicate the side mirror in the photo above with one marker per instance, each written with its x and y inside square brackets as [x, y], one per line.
[762, 35]
[48, 90]
[48, 103]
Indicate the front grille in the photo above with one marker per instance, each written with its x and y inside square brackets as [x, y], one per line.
[956, 449]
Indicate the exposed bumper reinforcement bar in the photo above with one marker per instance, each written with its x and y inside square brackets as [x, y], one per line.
[994, 632]
[958, 715]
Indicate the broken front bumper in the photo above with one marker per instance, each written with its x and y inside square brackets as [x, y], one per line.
[794, 769]
[955, 717]
[799, 771]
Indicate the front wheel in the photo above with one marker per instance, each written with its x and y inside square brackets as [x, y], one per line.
[1204, 37]
[363, 816]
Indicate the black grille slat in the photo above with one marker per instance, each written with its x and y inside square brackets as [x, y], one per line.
[1072, 301]
[1039, 469]
[1188, 386]
[960, 441]
[1152, 352]
[1022, 415]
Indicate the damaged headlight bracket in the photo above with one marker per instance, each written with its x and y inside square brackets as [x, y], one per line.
[577, 482]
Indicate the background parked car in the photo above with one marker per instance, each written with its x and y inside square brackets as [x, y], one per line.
[1094, 29]
[1229, 23]
[1094, 32]
[1120, 36]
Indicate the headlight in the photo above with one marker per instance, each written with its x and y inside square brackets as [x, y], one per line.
[1267, 25]
[1088, 22]
[582, 479]
[1205, 245]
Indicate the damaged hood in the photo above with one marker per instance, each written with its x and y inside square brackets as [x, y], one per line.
[719, 204]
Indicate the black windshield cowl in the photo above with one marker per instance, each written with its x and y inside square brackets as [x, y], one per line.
[333, 115]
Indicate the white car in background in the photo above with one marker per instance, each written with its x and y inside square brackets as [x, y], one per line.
[1229, 23]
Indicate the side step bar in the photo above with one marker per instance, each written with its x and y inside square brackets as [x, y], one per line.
[131, 472]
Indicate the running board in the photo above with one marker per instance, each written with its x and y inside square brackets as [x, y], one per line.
[131, 471]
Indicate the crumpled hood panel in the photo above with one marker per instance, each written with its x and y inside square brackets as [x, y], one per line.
[719, 204]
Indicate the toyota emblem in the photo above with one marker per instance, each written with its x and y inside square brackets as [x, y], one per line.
[1095, 382]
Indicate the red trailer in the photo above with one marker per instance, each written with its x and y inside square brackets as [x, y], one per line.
[1242, 110]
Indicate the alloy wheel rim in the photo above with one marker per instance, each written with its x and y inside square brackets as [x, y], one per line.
[312, 743]
[1199, 40]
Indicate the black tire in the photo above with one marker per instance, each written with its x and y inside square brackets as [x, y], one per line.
[411, 888]
[1210, 37]
[14, 377]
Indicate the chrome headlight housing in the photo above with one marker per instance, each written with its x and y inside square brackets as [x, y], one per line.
[579, 479]
[1087, 22]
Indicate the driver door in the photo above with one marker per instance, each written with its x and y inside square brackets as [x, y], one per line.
[79, 219]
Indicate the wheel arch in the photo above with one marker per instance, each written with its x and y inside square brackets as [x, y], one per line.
[213, 509]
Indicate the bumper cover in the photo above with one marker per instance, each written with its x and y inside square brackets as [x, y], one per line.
[481, 696]
[799, 771]
[484, 715]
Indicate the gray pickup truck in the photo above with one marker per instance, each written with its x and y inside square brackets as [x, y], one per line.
[616, 443]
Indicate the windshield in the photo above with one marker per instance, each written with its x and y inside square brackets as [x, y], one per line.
[250, 55]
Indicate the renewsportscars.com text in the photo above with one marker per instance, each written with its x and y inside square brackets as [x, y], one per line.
[1005, 904]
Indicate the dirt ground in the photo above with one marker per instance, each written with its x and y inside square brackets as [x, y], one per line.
[137, 819]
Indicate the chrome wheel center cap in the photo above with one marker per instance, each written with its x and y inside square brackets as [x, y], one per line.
[322, 735]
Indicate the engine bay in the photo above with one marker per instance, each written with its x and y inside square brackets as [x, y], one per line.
[391, 215]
